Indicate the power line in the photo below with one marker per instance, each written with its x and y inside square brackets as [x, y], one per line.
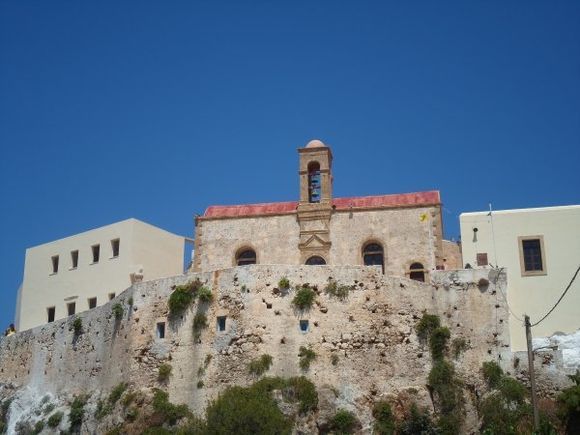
[561, 297]
[499, 270]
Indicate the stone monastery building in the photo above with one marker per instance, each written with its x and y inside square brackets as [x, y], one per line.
[401, 233]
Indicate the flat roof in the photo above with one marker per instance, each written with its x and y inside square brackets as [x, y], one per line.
[523, 210]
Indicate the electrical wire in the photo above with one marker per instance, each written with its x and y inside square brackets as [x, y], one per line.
[561, 297]
[499, 270]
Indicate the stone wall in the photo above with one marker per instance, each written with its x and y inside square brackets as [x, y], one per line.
[371, 332]
[408, 235]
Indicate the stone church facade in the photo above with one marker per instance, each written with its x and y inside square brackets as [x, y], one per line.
[402, 233]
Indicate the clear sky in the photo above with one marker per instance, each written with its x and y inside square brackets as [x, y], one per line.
[155, 110]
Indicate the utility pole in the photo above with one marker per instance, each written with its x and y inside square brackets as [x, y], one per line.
[531, 370]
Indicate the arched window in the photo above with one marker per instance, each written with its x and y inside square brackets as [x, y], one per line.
[314, 182]
[417, 272]
[316, 260]
[373, 255]
[246, 256]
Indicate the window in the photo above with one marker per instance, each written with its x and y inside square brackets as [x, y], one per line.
[482, 259]
[160, 329]
[70, 308]
[54, 259]
[115, 244]
[92, 303]
[221, 323]
[74, 259]
[245, 257]
[50, 312]
[373, 255]
[417, 272]
[314, 183]
[111, 296]
[304, 325]
[532, 255]
[315, 260]
[96, 253]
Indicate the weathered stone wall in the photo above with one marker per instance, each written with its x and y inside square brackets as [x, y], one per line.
[372, 333]
[452, 258]
[407, 235]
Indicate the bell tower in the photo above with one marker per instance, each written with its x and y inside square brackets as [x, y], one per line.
[315, 205]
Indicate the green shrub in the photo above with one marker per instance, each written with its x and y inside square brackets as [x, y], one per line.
[204, 294]
[418, 422]
[103, 408]
[284, 283]
[244, 411]
[459, 345]
[129, 398]
[492, 373]
[164, 372]
[48, 408]
[448, 392]
[306, 357]
[302, 390]
[117, 392]
[54, 419]
[334, 359]
[77, 412]
[200, 384]
[343, 422]
[167, 411]
[261, 365]
[384, 419]
[118, 311]
[199, 323]
[78, 326]
[438, 341]
[130, 301]
[303, 298]
[181, 298]
[427, 324]
[38, 427]
[569, 403]
[336, 290]
[499, 416]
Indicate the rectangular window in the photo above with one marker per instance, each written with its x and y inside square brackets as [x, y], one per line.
[221, 323]
[160, 329]
[115, 244]
[92, 303]
[304, 325]
[532, 255]
[482, 259]
[74, 259]
[54, 259]
[96, 253]
[71, 307]
[111, 296]
[50, 312]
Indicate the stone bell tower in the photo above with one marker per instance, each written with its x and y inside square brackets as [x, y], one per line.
[315, 205]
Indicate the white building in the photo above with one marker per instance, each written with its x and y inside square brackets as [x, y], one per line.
[83, 271]
[540, 249]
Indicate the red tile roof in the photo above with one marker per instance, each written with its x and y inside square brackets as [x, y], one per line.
[356, 202]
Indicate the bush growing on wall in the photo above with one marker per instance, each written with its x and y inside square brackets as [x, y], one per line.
[569, 403]
[438, 342]
[284, 283]
[78, 326]
[303, 298]
[164, 372]
[77, 412]
[54, 419]
[427, 324]
[384, 419]
[306, 357]
[337, 290]
[261, 365]
[343, 422]
[204, 294]
[199, 323]
[118, 311]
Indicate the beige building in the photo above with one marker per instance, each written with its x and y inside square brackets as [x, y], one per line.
[540, 249]
[86, 270]
[402, 233]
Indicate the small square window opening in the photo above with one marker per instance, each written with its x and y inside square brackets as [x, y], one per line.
[482, 259]
[54, 259]
[71, 308]
[115, 244]
[92, 303]
[96, 253]
[111, 296]
[221, 323]
[304, 325]
[50, 313]
[160, 330]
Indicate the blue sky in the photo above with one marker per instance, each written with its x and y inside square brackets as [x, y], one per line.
[155, 110]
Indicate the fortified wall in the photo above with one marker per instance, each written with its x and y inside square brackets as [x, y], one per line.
[366, 346]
